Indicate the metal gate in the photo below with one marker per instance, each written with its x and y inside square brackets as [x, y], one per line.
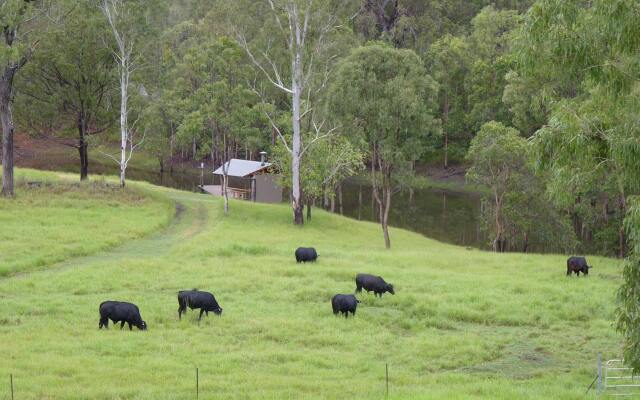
[618, 379]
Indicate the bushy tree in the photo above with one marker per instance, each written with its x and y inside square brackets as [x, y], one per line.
[71, 80]
[327, 163]
[498, 155]
[589, 146]
[386, 99]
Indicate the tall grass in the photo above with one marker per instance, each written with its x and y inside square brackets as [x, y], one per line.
[463, 323]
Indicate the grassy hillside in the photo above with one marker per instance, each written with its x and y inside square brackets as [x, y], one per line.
[463, 323]
[54, 218]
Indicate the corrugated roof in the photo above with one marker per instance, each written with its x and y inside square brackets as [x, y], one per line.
[242, 168]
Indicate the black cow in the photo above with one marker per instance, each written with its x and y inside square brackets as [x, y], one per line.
[344, 303]
[118, 311]
[372, 283]
[577, 265]
[304, 254]
[197, 299]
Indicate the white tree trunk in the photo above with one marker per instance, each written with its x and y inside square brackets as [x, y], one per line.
[124, 128]
[296, 145]
[124, 58]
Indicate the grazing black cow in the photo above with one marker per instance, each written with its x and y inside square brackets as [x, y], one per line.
[372, 283]
[577, 265]
[197, 299]
[344, 303]
[304, 254]
[118, 311]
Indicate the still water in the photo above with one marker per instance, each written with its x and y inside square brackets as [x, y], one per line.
[445, 215]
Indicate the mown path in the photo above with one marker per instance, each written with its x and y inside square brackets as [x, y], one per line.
[189, 220]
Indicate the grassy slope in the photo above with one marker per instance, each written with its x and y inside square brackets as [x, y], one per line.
[51, 222]
[463, 324]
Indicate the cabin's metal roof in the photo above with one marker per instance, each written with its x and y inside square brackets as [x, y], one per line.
[242, 168]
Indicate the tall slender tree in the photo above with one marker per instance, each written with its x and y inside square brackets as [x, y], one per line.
[15, 51]
[298, 69]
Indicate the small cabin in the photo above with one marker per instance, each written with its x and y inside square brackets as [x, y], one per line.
[247, 180]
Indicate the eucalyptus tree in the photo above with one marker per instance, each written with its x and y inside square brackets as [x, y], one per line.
[132, 26]
[386, 98]
[17, 17]
[69, 80]
[490, 43]
[498, 161]
[213, 96]
[293, 48]
[591, 143]
[323, 168]
[219, 110]
[448, 62]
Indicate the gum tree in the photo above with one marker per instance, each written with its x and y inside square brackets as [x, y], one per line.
[293, 50]
[386, 98]
[15, 51]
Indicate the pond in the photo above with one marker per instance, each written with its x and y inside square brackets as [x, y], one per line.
[445, 215]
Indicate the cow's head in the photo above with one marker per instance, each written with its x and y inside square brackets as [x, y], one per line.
[390, 288]
[143, 326]
[585, 270]
[218, 311]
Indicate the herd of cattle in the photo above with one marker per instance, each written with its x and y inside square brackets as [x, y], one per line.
[123, 312]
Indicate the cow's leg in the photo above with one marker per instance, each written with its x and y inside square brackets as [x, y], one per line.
[201, 312]
[121, 325]
[130, 327]
[180, 312]
[207, 313]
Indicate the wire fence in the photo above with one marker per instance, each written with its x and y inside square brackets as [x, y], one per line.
[197, 383]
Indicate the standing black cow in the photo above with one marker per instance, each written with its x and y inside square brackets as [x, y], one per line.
[118, 311]
[304, 254]
[344, 303]
[197, 299]
[372, 283]
[577, 265]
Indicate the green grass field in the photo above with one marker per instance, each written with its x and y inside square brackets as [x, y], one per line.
[463, 323]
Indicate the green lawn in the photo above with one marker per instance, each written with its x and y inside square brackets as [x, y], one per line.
[463, 323]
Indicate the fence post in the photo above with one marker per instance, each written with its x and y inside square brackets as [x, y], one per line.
[197, 384]
[386, 368]
[599, 385]
[11, 380]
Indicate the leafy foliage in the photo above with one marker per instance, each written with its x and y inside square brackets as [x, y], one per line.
[385, 98]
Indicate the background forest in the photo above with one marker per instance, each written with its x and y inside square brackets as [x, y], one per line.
[537, 107]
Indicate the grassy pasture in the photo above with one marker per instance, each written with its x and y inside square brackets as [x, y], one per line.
[53, 219]
[463, 323]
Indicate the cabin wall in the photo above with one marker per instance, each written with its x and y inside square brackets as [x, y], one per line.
[267, 189]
